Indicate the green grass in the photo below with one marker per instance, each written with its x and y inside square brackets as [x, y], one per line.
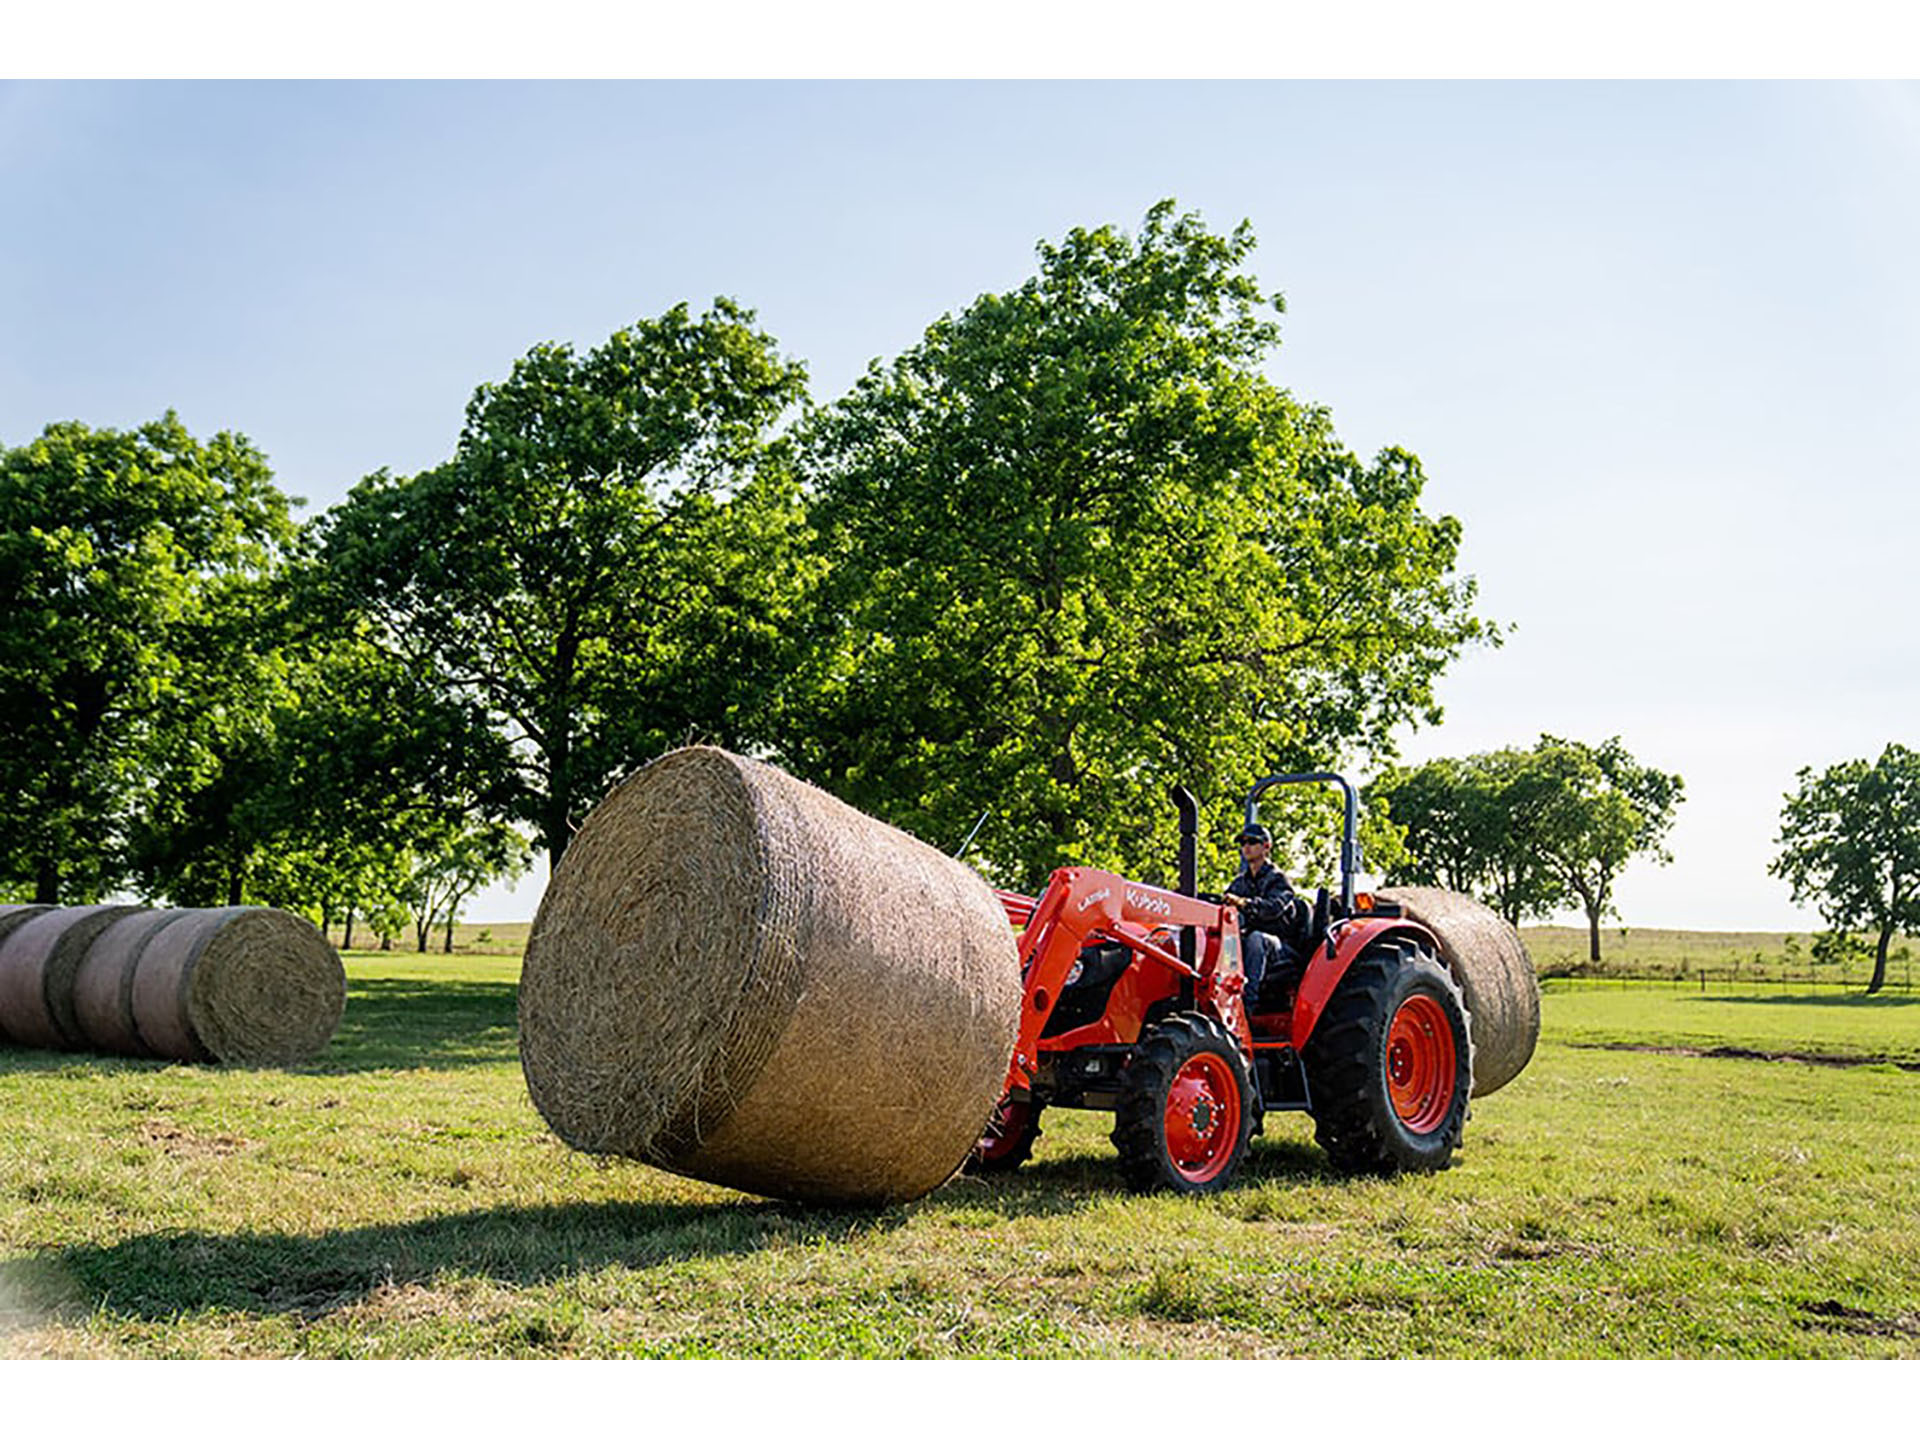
[402, 1198]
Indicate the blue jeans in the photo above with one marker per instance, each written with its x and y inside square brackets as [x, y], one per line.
[1257, 949]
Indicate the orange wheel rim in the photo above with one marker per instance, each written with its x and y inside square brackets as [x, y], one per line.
[1420, 1064]
[1203, 1117]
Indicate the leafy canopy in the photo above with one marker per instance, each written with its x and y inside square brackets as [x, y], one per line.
[1532, 832]
[123, 554]
[1080, 549]
[602, 568]
[1850, 844]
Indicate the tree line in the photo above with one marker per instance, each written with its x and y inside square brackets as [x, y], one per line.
[1070, 548]
[1541, 831]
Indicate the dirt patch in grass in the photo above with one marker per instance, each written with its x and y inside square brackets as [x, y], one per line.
[1741, 1052]
[183, 1144]
[1832, 1315]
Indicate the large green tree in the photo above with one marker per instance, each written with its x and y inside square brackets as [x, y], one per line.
[1850, 844]
[1081, 548]
[604, 567]
[121, 553]
[1532, 832]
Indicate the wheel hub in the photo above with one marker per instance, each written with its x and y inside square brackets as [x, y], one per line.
[1202, 1116]
[1420, 1062]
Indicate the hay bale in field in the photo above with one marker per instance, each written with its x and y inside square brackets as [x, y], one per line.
[37, 964]
[739, 978]
[242, 985]
[103, 985]
[12, 917]
[1496, 975]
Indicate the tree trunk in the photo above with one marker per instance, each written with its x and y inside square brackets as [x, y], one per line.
[346, 938]
[46, 883]
[233, 885]
[1593, 934]
[1880, 960]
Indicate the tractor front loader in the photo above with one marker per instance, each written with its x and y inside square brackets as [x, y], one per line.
[1134, 1001]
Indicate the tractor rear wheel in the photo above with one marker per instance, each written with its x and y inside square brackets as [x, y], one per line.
[1390, 1064]
[1186, 1107]
[1007, 1142]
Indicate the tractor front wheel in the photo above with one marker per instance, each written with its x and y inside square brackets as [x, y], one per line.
[1007, 1142]
[1186, 1107]
[1390, 1064]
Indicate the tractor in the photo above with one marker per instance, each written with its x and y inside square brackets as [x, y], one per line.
[1134, 1001]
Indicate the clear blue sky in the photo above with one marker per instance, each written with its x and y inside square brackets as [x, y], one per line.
[1658, 344]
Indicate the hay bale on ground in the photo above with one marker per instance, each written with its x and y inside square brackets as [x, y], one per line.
[12, 917]
[103, 985]
[1496, 975]
[37, 964]
[739, 978]
[242, 985]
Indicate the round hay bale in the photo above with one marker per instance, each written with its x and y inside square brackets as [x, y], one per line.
[1495, 972]
[37, 964]
[103, 984]
[739, 978]
[12, 917]
[242, 985]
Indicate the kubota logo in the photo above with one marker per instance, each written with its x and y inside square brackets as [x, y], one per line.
[1095, 898]
[1152, 904]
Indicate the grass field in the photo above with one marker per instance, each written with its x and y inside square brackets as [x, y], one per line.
[402, 1198]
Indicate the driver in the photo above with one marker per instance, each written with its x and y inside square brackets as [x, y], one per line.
[1272, 917]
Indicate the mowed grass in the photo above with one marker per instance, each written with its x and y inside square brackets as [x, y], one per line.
[402, 1198]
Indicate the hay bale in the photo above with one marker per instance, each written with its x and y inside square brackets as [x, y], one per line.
[12, 917]
[737, 977]
[1495, 972]
[242, 985]
[103, 985]
[37, 964]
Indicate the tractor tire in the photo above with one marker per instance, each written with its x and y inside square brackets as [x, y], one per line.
[1390, 1065]
[1007, 1142]
[1186, 1109]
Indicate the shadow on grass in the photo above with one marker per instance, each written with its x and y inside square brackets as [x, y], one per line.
[160, 1277]
[387, 1025]
[1855, 1002]
[430, 1024]
[163, 1277]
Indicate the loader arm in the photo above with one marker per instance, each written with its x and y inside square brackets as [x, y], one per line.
[1081, 906]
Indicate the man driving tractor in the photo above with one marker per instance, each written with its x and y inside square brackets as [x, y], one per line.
[1274, 921]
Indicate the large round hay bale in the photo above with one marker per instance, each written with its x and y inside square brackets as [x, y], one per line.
[737, 977]
[242, 985]
[37, 964]
[103, 985]
[12, 917]
[1496, 976]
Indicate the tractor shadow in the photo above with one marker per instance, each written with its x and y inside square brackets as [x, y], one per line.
[308, 1277]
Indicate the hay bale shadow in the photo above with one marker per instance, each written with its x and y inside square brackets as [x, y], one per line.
[163, 1277]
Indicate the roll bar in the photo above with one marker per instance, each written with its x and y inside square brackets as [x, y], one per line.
[1349, 841]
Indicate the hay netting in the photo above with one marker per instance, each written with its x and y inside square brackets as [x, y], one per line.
[103, 985]
[1496, 975]
[739, 978]
[38, 959]
[242, 985]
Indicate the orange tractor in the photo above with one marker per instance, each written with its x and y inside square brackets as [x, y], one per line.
[1134, 1001]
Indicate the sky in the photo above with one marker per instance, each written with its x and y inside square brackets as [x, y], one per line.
[1657, 344]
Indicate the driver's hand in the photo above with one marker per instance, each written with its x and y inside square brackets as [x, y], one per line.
[1238, 902]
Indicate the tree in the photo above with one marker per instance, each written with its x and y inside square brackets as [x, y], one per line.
[1850, 843]
[115, 550]
[1079, 548]
[1532, 832]
[1594, 809]
[602, 569]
